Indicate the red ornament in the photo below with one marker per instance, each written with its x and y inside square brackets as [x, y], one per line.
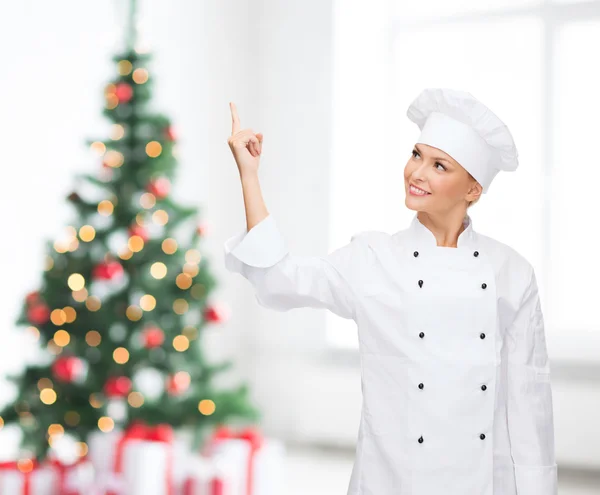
[139, 230]
[38, 314]
[178, 383]
[108, 270]
[170, 133]
[152, 337]
[32, 297]
[213, 314]
[124, 92]
[67, 368]
[160, 187]
[202, 229]
[117, 386]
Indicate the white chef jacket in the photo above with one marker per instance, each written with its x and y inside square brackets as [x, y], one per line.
[455, 373]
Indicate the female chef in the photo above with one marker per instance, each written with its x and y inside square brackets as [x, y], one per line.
[455, 372]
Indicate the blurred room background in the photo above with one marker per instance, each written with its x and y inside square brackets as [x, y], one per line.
[328, 84]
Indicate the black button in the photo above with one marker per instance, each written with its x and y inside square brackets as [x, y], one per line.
[476, 253]
[420, 283]
[483, 387]
[483, 286]
[482, 335]
[421, 386]
[420, 439]
[421, 335]
[416, 253]
[482, 436]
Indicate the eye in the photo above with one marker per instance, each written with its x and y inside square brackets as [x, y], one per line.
[415, 152]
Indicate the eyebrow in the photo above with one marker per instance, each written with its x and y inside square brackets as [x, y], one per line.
[435, 158]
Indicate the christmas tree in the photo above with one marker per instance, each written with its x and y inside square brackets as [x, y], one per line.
[124, 298]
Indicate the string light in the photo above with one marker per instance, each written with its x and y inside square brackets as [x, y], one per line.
[105, 207]
[76, 281]
[135, 399]
[158, 270]
[148, 302]
[153, 149]
[48, 396]
[44, 383]
[62, 338]
[72, 418]
[114, 158]
[87, 233]
[93, 303]
[98, 147]
[180, 306]
[147, 200]
[82, 449]
[135, 243]
[193, 256]
[106, 424]
[48, 263]
[117, 132]
[169, 246]
[95, 401]
[206, 407]
[140, 76]
[124, 67]
[160, 217]
[198, 291]
[93, 338]
[80, 295]
[134, 313]
[192, 269]
[181, 343]
[70, 313]
[34, 332]
[183, 281]
[121, 355]
[58, 317]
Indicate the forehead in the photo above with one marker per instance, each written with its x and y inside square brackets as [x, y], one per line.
[434, 153]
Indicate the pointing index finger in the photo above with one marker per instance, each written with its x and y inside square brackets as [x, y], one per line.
[235, 120]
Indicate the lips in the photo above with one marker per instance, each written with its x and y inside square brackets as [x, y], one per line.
[418, 191]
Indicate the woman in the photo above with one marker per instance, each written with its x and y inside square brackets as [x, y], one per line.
[455, 373]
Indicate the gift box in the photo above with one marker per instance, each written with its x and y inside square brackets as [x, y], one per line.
[136, 461]
[206, 476]
[51, 477]
[258, 462]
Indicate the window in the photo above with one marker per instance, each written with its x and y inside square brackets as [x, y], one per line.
[533, 63]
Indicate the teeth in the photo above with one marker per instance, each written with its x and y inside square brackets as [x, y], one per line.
[418, 191]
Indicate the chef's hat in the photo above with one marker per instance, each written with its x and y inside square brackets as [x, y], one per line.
[464, 128]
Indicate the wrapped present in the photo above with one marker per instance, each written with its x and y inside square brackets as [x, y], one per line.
[136, 461]
[26, 477]
[206, 476]
[259, 462]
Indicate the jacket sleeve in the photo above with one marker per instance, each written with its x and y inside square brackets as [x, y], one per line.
[283, 281]
[529, 401]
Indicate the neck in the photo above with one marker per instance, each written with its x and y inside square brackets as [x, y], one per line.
[445, 227]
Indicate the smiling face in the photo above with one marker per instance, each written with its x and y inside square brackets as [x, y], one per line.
[447, 183]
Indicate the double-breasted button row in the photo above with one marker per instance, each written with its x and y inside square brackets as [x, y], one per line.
[475, 253]
[422, 385]
[421, 440]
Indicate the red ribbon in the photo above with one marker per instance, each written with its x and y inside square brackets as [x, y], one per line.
[138, 430]
[14, 466]
[63, 470]
[252, 436]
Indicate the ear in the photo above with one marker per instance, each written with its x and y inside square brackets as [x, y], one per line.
[475, 191]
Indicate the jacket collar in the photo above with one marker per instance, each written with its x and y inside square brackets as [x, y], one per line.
[425, 237]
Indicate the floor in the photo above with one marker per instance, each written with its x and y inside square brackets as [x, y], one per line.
[326, 472]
